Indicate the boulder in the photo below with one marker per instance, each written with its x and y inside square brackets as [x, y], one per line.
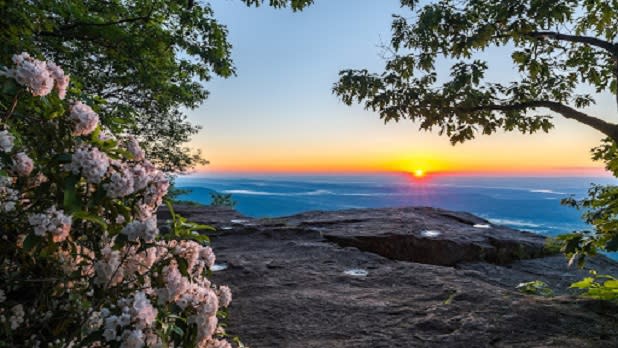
[425, 235]
[297, 282]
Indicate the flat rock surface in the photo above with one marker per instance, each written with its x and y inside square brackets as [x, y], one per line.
[294, 286]
[426, 235]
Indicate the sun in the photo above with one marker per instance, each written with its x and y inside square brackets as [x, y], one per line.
[419, 173]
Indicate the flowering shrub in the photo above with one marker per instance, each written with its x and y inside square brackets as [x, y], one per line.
[82, 262]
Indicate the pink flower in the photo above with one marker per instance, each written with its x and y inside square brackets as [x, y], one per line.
[32, 74]
[84, 118]
[22, 164]
[52, 221]
[135, 149]
[225, 296]
[6, 141]
[62, 80]
[91, 163]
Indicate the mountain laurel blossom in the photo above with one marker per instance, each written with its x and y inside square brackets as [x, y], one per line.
[62, 80]
[52, 221]
[135, 149]
[22, 164]
[37, 76]
[6, 141]
[121, 183]
[84, 118]
[9, 196]
[80, 222]
[91, 163]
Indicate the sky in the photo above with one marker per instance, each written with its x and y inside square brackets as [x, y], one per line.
[279, 115]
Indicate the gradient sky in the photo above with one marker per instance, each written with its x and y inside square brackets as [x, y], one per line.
[278, 114]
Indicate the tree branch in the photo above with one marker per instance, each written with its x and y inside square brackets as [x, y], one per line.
[105, 24]
[593, 41]
[609, 129]
[67, 27]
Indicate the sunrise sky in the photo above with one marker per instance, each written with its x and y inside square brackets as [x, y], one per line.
[278, 114]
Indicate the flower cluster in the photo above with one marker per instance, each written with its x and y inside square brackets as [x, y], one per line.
[6, 141]
[91, 163]
[84, 118]
[37, 76]
[8, 195]
[52, 221]
[22, 164]
[99, 272]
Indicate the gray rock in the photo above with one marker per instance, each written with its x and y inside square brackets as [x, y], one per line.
[291, 288]
[426, 235]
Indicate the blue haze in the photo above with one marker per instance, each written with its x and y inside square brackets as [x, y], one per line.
[531, 204]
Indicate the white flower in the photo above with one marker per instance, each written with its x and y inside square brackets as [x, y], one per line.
[146, 230]
[62, 80]
[215, 343]
[84, 118]
[135, 149]
[156, 189]
[133, 339]
[52, 221]
[18, 316]
[121, 183]
[142, 311]
[105, 135]
[108, 271]
[6, 141]
[91, 163]
[109, 334]
[225, 296]
[141, 177]
[8, 195]
[32, 74]
[22, 164]
[208, 256]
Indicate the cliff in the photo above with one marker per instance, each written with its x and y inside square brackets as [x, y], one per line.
[406, 277]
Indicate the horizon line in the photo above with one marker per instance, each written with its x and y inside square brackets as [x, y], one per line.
[553, 172]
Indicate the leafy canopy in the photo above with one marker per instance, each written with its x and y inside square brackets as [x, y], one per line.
[147, 58]
[557, 46]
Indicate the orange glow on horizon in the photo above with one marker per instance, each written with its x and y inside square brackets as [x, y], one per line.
[349, 170]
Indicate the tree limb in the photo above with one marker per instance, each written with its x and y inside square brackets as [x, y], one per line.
[593, 41]
[609, 129]
[67, 27]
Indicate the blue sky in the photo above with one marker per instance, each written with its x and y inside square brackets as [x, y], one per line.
[278, 113]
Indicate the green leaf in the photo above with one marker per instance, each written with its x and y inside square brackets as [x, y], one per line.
[31, 242]
[86, 216]
[177, 330]
[71, 199]
[612, 284]
[183, 266]
[583, 284]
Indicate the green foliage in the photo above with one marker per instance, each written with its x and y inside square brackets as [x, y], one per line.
[222, 200]
[296, 5]
[556, 47]
[601, 287]
[182, 229]
[535, 287]
[552, 245]
[79, 235]
[600, 210]
[147, 58]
